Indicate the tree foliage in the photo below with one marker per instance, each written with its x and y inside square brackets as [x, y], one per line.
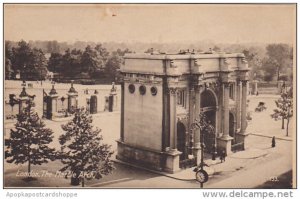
[82, 150]
[92, 60]
[284, 110]
[281, 58]
[202, 123]
[254, 60]
[29, 140]
[31, 62]
[55, 63]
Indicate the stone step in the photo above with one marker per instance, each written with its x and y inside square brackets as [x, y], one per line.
[269, 90]
[272, 88]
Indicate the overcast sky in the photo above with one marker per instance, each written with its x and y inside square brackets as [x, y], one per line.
[151, 23]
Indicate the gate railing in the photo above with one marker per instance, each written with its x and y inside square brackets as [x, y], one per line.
[187, 163]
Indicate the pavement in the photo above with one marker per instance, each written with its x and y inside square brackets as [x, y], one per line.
[243, 169]
[262, 124]
[214, 166]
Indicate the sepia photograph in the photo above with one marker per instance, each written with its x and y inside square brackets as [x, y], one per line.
[181, 96]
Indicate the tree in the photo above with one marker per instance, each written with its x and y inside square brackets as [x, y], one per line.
[255, 63]
[53, 47]
[71, 62]
[29, 141]
[284, 110]
[121, 52]
[8, 69]
[55, 63]
[149, 50]
[31, 62]
[37, 68]
[112, 65]
[102, 52]
[91, 60]
[216, 49]
[22, 58]
[82, 150]
[206, 129]
[268, 69]
[281, 55]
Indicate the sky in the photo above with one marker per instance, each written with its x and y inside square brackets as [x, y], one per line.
[151, 23]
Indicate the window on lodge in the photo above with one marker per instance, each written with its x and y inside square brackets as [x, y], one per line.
[181, 98]
[231, 91]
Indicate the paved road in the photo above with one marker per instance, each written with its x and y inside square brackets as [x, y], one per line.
[234, 173]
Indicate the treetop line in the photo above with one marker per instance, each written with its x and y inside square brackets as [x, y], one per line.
[86, 61]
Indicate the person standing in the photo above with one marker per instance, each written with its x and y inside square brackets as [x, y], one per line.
[222, 156]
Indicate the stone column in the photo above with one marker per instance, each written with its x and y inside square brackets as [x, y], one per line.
[191, 117]
[72, 98]
[53, 103]
[113, 97]
[226, 110]
[172, 155]
[173, 123]
[242, 135]
[93, 104]
[255, 87]
[224, 142]
[23, 100]
[197, 144]
[244, 107]
[238, 104]
[122, 112]
[279, 86]
[220, 112]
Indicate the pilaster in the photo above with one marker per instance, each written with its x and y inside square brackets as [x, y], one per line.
[238, 104]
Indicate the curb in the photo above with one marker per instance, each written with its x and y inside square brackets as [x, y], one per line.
[152, 171]
[267, 136]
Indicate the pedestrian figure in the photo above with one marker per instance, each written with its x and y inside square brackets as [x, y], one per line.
[213, 152]
[222, 156]
[273, 142]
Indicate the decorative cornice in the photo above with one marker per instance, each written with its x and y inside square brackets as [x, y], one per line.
[226, 84]
[182, 118]
[172, 90]
[244, 82]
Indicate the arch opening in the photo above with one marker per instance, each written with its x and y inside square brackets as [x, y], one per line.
[181, 139]
[208, 105]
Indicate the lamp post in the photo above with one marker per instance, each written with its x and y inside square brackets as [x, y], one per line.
[62, 99]
[41, 76]
[12, 102]
[23, 76]
[201, 124]
[214, 150]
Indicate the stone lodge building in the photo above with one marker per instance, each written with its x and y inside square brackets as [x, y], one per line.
[163, 94]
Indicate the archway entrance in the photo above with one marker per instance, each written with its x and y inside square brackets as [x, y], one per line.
[231, 127]
[208, 106]
[181, 139]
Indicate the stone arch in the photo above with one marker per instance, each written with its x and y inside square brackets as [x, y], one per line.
[232, 121]
[208, 97]
[181, 139]
[208, 105]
